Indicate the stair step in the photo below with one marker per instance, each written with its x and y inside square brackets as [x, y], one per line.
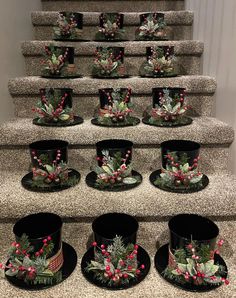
[151, 236]
[179, 24]
[145, 201]
[214, 135]
[187, 53]
[112, 6]
[25, 92]
[204, 130]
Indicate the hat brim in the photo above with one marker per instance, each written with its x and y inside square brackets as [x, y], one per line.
[182, 121]
[27, 183]
[161, 263]
[69, 264]
[92, 177]
[143, 258]
[132, 122]
[77, 120]
[156, 174]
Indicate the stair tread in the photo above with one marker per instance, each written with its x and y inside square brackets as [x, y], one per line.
[205, 130]
[150, 236]
[131, 18]
[182, 47]
[143, 201]
[88, 85]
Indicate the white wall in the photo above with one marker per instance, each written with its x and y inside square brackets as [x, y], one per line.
[215, 24]
[15, 26]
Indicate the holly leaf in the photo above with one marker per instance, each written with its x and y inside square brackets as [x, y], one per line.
[9, 272]
[196, 179]
[129, 180]
[182, 267]
[64, 117]
[49, 168]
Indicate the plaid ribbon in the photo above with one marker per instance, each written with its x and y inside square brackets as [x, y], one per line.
[56, 262]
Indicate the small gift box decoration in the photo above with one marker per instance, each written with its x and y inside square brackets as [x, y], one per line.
[69, 26]
[115, 108]
[59, 62]
[179, 172]
[50, 171]
[109, 63]
[115, 261]
[110, 27]
[38, 258]
[114, 170]
[160, 62]
[152, 27]
[168, 108]
[191, 260]
[55, 108]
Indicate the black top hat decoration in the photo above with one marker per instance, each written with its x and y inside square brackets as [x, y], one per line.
[69, 26]
[114, 170]
[191, 260]
[109, 63]
[110, 27]
[115, 261]
[38, 258]
[59, 62]
[55, 108]
[179, 172]
[152, 27]
[160, 62]
[50, 171]
[168, 108]
[115, 108]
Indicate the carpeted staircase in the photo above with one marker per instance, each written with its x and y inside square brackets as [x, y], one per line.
[80, 205]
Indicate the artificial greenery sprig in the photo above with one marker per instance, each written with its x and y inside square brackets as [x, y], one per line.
[152, 27]
[66, 25]
[195, 264]
[118, 108]
[57, 172]
[114, 170]
[29, 266]
[51, 108]
[110, 28]
[55, 59]
[160, 62]
[179, 173]
[115, 264]
[169, 108]
[106, 64]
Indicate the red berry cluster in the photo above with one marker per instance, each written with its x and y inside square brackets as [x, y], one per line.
[66, 24]
[30, 272]
[115, 177]
[55, 113]
[199, 276]
[119, 273]
[51, 176]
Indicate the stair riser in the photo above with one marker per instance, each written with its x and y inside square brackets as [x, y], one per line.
[187, 65]
[147, 159]
[114, 6]
[177, 32]
[85, 105]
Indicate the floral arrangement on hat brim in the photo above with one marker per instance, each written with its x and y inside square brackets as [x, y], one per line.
[118, 110]
[54, 61]
[115, 264]
[169, 109]
[111, 28]
[67, 26]
[114, 170]
[151, 28]
[158, 64]
[195, 264]
[179, 174]
[51, 108]
[47, 175]
[31, 267]
[107, 65]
